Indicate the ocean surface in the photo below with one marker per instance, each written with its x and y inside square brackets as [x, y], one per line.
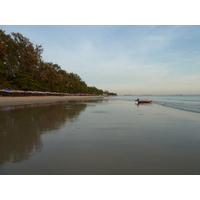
[182, 102]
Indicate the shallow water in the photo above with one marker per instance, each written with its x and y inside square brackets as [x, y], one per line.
[182, 102]
[98, 137]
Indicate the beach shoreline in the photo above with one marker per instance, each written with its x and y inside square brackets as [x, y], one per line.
[13, 101]
[97, 138]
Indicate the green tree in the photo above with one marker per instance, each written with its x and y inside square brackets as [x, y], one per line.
[24, 81]
[22, 67]
[76, 84]
[28, 56]
[8, 55]
[3, 72]
[95, 91]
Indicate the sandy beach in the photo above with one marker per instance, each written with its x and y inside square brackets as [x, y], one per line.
[12, 101]
[97, 137]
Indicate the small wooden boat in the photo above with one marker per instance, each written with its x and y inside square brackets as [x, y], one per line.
[143, 101]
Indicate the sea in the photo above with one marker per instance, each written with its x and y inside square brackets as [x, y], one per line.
[189, 103]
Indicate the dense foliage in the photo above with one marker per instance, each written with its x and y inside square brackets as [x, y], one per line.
[22, 68]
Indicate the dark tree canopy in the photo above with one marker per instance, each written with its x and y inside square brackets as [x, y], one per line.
[22, 68]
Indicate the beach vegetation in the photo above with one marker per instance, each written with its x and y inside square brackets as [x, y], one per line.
[23, 68]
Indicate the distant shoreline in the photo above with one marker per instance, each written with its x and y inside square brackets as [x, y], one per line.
[12, 101]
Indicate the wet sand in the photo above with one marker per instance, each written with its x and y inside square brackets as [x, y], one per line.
[101, 137]
[11, 101]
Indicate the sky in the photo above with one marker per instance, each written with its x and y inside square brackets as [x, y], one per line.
[126, 59]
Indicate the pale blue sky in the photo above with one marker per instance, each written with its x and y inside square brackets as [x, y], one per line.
[123, 59]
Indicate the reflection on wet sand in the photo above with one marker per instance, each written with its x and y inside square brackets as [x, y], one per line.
[21, 127]
[143, 104]
[99, 137]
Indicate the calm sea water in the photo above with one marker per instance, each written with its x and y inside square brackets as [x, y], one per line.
[183, 102]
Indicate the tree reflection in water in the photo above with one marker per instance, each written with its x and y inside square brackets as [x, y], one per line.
[21, 127]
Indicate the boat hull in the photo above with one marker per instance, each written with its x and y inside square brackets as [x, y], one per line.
[144, 101]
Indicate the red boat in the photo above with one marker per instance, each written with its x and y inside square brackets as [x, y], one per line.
[143, 101]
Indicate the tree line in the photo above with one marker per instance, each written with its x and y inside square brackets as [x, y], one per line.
[22, 68]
